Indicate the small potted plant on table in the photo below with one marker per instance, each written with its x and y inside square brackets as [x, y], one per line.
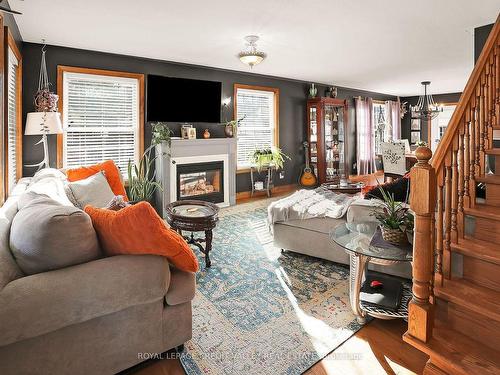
[395, 218]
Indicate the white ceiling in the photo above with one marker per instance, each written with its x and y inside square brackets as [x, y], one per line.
[387, 46]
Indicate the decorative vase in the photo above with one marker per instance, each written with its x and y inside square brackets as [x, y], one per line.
[206, 134]
[394, 236]
[313, 91]
[229, 131]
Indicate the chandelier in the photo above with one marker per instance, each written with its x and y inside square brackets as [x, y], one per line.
[251, 56]
[426, 108]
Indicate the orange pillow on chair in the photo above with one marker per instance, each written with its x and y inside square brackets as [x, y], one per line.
[110, 170]
[138, 229]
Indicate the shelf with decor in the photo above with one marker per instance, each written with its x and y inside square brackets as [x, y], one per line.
[326, 135]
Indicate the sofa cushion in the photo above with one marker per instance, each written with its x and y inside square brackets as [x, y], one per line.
[93, 190]
[37, 304]
[316, 224]
[50, 186]
[48, 173]
[110, 170]
[46, 235]
[138, 229]
[182, 287]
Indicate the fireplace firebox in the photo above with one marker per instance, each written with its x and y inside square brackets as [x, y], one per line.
[202, 181]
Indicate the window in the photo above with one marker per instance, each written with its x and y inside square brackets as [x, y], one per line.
[103, 116]
[439, 125]
[379, 125]
[13, 112]
[259, 129]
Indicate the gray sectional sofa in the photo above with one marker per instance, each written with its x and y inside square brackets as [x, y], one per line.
[91, 318]
[311, 237]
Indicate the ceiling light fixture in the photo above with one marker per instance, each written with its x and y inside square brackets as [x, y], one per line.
[7, 10]
[251, 56]
[426, 108]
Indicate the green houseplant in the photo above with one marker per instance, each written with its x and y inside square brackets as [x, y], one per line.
[265, 157]
[395, 219]
[141, 178]
[230, 127]
[142, 182]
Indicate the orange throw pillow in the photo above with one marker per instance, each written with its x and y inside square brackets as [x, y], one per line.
[138, 229]
[110, 170]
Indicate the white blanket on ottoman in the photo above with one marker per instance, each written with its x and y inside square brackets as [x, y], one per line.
[306, 204]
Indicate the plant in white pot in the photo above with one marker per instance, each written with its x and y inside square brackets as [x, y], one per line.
[395, 219]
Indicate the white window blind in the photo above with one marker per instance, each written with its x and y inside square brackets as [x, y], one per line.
[257, 130]
[12, 103]
[101, 116]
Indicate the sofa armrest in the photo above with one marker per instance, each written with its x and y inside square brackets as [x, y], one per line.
[34, 305]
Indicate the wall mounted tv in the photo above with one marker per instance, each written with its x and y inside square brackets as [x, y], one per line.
[183, 100]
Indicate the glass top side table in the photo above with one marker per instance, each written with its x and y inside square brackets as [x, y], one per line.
[355, 238]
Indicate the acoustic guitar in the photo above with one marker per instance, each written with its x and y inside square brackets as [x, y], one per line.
[307, 177]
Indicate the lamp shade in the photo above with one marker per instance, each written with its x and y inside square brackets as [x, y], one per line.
[43, 122]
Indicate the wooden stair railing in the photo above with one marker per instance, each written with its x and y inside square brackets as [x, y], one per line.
[443, 192]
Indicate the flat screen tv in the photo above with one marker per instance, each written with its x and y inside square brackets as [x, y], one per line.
[183, 100]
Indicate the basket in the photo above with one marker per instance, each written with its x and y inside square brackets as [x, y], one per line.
[394, 236]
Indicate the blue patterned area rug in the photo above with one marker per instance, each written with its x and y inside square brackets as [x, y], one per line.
[260, 311]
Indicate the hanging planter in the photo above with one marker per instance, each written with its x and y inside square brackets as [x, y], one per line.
[45, 100]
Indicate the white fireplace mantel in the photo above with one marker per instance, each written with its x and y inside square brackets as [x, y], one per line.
[187, 151]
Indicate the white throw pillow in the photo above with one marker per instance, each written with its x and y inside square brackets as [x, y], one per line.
[93, 190]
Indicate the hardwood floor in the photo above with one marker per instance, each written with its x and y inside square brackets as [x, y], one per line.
[375, 349]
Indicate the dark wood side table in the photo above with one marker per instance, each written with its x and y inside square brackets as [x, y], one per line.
[194, 216]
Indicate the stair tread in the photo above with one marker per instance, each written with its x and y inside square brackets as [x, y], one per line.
[484, 210]
[489, 179]
[474, 297]
[478, 249]
[493, 151]
[464, 355]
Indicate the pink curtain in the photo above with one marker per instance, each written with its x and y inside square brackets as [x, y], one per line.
[393, 120]
[364, 136]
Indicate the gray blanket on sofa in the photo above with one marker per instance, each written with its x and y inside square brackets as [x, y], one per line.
[305, 204]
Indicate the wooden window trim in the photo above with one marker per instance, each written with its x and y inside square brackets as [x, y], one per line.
[61, 69]
[276, 92]
[3, 150]
[11, 43]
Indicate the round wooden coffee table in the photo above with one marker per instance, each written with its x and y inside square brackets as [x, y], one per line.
[194, 216]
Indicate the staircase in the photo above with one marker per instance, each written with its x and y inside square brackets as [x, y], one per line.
[454, 315]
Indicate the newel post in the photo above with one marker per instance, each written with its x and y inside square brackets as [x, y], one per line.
[422, 202]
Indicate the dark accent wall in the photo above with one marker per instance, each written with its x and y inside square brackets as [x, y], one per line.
[480, 35]
[412, 100]
[293, 96]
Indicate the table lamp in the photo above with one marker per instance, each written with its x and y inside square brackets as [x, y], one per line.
[43, 123]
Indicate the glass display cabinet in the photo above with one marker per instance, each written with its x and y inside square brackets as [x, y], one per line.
[326, 135]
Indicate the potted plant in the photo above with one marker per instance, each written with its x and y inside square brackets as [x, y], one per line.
[160, 133]
[395, 219]
[230, 127]
[266, 157]
[141, 180]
